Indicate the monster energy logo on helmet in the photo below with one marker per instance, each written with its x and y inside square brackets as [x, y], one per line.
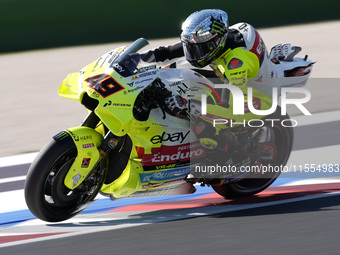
[217, 26]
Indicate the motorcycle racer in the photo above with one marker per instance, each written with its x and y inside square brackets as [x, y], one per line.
[236, 54]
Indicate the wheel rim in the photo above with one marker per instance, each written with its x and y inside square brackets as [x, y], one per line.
[60, 193]
[252, 184]
[57, 196]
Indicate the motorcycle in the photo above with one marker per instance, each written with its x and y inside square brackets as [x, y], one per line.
[131, 145]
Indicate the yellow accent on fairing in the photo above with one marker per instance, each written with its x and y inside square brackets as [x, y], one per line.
[210, 94]
[87, 140]
[69, 88]
[100, 129]
[127, 183]
[116, 119]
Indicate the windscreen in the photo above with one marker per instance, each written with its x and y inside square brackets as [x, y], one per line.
[126, 64]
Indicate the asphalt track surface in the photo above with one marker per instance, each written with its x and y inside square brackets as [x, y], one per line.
[303, 226]
[307, 227]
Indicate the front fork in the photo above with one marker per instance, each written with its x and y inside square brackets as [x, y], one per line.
[110, 140]
[91, 148]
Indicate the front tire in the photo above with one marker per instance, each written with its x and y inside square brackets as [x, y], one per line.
[46, 195]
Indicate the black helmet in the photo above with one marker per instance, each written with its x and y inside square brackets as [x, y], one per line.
[203, 36]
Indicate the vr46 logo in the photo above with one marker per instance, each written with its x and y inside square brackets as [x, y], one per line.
[175, 137]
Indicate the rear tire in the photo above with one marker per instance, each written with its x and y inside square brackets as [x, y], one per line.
[46, 195]
[283, 137]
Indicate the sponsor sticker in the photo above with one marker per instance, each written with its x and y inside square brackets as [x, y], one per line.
[88, 145]
[177, 154]
[235, 63]
[85, 163]
[112, 143]
[165, 175]
[174, 137]
[146, 68]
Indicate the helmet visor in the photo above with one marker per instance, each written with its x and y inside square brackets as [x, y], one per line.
[200, 51]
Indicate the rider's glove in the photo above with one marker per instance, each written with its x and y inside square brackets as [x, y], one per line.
[177, 104]
[148, 56]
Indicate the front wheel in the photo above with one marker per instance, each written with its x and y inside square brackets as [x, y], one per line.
[46, 195]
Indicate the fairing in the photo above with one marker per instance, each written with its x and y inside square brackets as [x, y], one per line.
[115, 80]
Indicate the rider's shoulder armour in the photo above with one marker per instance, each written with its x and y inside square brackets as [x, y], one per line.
[252, 39]
[248, 33]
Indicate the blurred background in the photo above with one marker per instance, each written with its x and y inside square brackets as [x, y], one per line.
[37, 24]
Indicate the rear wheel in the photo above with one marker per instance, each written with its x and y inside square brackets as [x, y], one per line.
[277, 148]
[46, 195]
